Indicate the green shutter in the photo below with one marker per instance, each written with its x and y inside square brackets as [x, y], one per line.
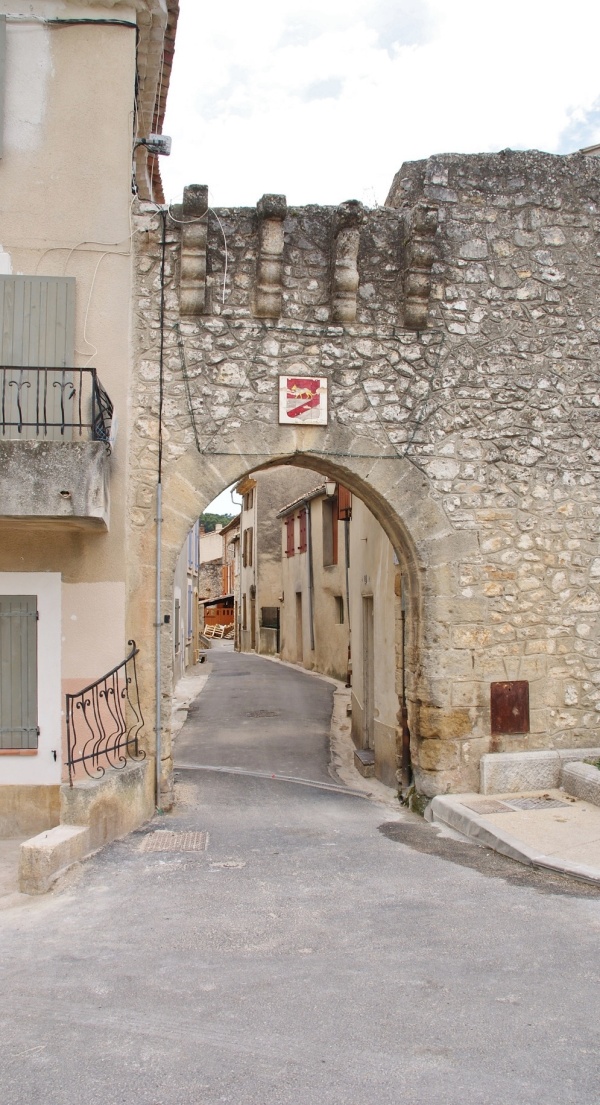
[37, 321]
[37, 329]
[18, 671]
[2, 78]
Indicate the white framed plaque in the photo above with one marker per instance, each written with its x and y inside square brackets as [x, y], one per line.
[303, 400]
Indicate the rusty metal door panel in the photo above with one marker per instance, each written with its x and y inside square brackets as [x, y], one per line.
[510, 707]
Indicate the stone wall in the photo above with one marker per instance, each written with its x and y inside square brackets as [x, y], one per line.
[458, 329]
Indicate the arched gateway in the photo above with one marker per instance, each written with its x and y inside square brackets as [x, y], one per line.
[455, 333]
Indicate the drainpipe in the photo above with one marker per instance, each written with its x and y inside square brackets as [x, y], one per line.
[347, 558]
[158, 622]
[311, 580]
[406, 770]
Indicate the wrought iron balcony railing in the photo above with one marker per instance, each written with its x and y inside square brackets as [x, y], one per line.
[104, 721]
[54, 403]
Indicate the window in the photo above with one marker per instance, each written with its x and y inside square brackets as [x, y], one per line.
[302, 545]
[177, 625]
[247, 546]
[18, 672]
[290, 547]
[248, 499]
[339, 609]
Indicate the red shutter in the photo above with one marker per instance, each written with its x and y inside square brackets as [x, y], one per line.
[334, 524]
[344, 503]
[289, 536]
[302, 546]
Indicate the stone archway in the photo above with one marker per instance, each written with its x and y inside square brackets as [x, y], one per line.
[398, 496]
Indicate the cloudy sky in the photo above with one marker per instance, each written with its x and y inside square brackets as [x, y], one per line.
[324, 99]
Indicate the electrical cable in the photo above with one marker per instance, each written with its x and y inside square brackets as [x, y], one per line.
[161, 362]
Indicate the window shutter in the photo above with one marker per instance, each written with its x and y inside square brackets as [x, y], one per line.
[344, 503]
[289, 536]
[37, 321]
[37, 330]
[18, 671]
[302, 545]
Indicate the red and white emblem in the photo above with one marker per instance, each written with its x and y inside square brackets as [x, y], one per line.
[303, 400]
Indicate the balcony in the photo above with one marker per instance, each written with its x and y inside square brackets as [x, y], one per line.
[56, 432]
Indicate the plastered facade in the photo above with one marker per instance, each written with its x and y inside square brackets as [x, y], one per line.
[65, 174]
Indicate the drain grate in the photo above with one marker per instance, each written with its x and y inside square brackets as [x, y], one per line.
[486, 805]
[535, 803]
[264, 713]
[165, 840]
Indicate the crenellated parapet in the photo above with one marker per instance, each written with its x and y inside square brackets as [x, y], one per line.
[419, 256]
[345, 276]
[271, 211]
[194, 228]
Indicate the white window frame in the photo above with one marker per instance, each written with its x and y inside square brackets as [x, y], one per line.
[41, 768]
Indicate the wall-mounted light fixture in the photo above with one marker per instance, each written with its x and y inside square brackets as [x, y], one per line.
[155, 143]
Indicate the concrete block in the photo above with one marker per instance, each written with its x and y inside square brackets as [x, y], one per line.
[582, 781]
[364, 762]
[568, 755]
[512, 772]
[45, 856]
[112, 806]
[56, 481]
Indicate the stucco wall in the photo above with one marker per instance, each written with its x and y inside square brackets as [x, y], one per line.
[374, 575]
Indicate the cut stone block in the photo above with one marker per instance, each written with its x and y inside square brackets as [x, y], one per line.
[45, 856]
[364, 762]
[582, 781]
[516, 772]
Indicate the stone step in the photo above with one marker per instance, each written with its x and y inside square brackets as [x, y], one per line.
[364, 762]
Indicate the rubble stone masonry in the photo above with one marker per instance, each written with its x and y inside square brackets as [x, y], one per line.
[464, 407]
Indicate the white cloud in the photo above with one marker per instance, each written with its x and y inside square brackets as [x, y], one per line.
[405, 80]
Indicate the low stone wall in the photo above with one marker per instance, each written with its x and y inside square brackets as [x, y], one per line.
[92, 813]
[582, 781]
[515, 772]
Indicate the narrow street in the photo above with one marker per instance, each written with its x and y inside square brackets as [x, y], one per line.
[323, 948]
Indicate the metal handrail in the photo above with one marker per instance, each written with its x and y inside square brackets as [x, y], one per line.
[59, 399]
[104, 721]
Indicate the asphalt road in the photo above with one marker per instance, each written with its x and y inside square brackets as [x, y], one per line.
[320, 951]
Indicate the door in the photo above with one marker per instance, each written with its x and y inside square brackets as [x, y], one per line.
[299, 630]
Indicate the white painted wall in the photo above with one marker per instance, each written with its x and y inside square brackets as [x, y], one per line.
[40, 769]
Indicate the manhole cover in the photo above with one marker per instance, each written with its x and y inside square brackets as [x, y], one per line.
[535, 803]
[264, 713]
[164, 840]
